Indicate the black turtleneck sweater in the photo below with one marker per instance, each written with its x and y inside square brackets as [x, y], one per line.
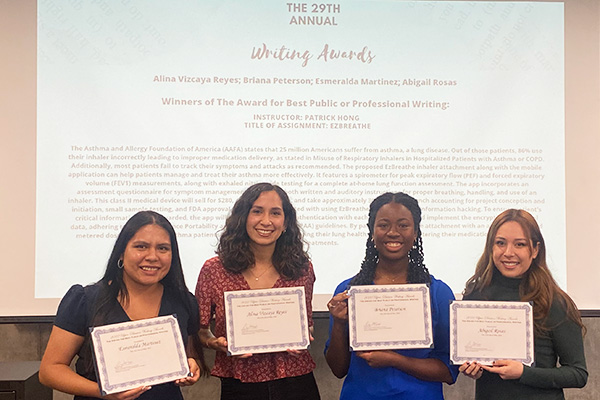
[544, 380]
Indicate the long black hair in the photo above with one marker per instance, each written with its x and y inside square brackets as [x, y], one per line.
[113, 288]
[112, 285]
[417, 272]
[289, 258]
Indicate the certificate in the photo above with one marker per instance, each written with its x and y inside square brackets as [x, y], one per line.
[389, 317]
[266, 320]
[485, 331]
[138, 353]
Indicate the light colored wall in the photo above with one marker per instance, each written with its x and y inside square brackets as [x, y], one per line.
[26, 342]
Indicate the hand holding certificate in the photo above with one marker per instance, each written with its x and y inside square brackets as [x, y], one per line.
[138, 353]
[266, 320]
[485, 331]
[389, 317]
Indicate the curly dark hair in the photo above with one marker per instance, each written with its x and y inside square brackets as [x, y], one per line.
[289, 258]
[417, 272]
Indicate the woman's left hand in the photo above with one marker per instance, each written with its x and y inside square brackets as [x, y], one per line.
[378, 359]
[473, 370]
[298, 353]
[507, 369]
[194, 370]
[295, 353]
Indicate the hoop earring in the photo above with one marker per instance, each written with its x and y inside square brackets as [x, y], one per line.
[120, 264]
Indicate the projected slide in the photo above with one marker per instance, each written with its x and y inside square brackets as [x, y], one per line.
[179, 106]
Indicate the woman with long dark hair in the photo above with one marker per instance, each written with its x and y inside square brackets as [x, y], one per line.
[143, 279]
[260, 247]
[394, 256]
[513, 268]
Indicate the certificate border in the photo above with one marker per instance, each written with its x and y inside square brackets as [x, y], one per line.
[455, 305]
[105, 386]
[239, 294]
[427, 342]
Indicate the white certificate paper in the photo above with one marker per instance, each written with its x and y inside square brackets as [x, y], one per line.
[138, 353]
[266, 320]
[485, 331]
[389, 317]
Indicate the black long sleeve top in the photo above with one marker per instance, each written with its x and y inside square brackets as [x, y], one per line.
[559, 356]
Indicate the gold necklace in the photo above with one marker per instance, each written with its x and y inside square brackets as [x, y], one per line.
[256, 277]
[380, 275]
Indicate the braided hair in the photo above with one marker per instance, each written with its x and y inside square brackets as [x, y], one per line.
[417, 272]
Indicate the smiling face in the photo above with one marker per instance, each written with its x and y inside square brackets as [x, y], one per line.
[266, 219]
[147, 257]
[513, 251]
[394, 232]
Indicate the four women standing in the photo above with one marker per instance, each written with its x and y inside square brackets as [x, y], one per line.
[261, 247]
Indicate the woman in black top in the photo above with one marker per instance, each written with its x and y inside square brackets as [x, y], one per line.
[513, 268]
[143, 279]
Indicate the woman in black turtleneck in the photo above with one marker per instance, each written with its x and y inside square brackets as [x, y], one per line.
[513, 268]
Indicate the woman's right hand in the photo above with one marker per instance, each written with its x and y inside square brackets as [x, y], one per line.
[128, 394]
[220, 344]
[473, 369]
[338, 306]
[217, 343]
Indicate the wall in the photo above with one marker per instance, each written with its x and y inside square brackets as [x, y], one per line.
[25, 342]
